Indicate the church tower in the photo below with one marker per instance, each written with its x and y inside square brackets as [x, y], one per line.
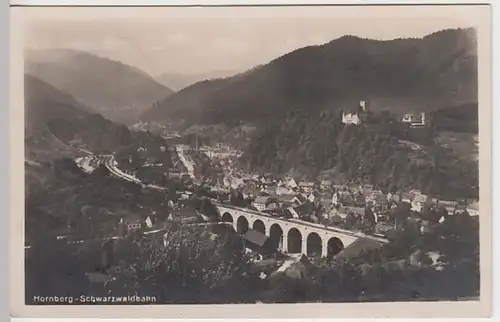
[362, 105]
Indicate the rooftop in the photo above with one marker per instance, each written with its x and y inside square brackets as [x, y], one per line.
[285, 198]
[356, 248]
[255, 237]
[422, 198]
[355, 210]
[262, 200]
[304, 209]
[186, 212]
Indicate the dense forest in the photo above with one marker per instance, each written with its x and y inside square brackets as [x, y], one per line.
[400, 75]
[463, 118]
[382, 152]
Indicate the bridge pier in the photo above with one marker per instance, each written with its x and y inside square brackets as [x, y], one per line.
[303, 249]
[324, 247]
[284, 244]
[299, 234]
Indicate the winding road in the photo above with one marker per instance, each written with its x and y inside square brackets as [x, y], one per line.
[110, 163]
[188, 164]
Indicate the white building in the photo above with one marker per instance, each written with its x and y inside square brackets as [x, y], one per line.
[294, 214]
[419, 202]
[354, 117]
[260, 203]
[325, 184]
[291, 184]
[282, 191]
[415, 121]
[408, 118]
[237, 183]
[149, 222]
[351, 118]
[473, 208]
[307, 187]
[336, 198]
[311, 197]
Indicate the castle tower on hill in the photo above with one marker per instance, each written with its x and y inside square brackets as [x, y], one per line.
[355, 117]
[362, 105]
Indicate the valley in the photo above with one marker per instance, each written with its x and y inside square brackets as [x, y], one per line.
[341, 172]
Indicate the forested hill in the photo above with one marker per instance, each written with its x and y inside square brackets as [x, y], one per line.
[57, 125]
[399, 75]
[383, 153]
[117, 91]
[463, 118]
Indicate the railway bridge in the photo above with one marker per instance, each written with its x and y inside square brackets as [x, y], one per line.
[291, 235]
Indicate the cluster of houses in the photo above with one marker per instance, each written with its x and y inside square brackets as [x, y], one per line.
[220, 151]
[324, 201]
[88, 163]
[182, 211]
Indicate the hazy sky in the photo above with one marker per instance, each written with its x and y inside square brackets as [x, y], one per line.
[200, 40]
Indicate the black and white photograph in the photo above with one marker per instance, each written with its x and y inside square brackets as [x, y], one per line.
[253, 155]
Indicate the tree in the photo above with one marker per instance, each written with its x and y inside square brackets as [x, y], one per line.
[351, 220]
[369, 218]
[401, 215]
[188, 268]
[52, 269]
[208, 209]
[236, 198]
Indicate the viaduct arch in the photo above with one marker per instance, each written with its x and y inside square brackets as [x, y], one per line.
[259, 226]
[291, 236]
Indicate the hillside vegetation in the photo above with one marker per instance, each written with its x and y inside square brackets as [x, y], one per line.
[460, 119]
[117, 91]
[56, 116]
[177, 81]
[59, 127]
[308, 146]
[400, 75]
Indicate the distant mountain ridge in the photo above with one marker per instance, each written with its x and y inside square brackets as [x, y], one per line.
[399, 75]
[177, 81]
[56, 125]
[295, 103]
[118, 91]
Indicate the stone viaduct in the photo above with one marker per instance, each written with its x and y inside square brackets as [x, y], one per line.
[291, 235]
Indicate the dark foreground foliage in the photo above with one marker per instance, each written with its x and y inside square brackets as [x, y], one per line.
[189, 265]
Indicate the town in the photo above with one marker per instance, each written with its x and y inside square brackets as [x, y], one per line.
[342, 208]
[345, 170]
